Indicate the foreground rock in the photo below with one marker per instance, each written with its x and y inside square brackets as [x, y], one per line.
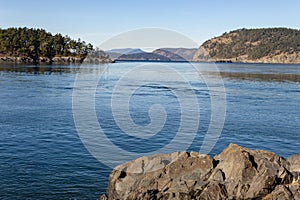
[236, 173]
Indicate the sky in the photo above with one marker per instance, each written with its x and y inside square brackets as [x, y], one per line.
[96, 21]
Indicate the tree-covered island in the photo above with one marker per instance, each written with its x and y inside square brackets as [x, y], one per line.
[29, 45]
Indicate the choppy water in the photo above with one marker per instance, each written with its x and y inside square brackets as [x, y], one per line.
[42, 156]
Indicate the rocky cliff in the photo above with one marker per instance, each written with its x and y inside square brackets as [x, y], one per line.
[236, 173]
[266, 45]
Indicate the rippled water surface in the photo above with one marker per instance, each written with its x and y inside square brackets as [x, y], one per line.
[42, 155]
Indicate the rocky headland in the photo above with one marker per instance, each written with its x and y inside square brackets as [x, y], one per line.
[264, 45]
[236, 173]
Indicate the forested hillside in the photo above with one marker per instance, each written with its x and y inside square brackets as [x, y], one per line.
[280, 45]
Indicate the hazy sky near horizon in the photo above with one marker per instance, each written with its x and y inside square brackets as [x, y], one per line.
[96, 21]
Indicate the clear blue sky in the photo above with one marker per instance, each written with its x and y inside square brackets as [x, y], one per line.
[96, 20]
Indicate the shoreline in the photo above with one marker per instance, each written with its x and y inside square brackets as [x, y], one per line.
[67, 60]
[216, 62]
[57, 60]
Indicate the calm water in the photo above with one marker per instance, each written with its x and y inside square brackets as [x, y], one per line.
[42, 156]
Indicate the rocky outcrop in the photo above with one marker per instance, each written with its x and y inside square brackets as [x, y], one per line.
[17, 60]
[59, 60]
[67, 60]
[236, 173]
[97, 57]
[41, 60]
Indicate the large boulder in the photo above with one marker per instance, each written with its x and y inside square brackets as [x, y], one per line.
[251, 173]
[161, 176]
[236, 173]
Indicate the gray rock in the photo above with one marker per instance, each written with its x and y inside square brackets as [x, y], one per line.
[281, 192]
[294, 162]
[251, 173]
[294, 167]
[236, 173]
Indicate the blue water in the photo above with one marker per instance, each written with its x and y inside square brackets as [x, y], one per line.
[42, 156]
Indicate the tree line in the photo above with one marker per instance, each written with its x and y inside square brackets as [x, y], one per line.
[36, 43]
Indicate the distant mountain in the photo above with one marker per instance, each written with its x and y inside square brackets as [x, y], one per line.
[143, 57]
[177, 54]
[116, 53]
[125, 51]
[264, 45]
[163, 54]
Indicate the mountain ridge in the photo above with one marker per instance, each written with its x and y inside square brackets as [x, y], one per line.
[177, 54]
[161, 54]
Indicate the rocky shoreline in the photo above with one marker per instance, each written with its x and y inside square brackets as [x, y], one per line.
[59, 60]
[236, 173]
[67, 60]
